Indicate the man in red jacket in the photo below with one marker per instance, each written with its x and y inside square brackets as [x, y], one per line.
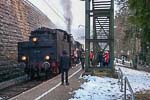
[106, 57]
[91, 56]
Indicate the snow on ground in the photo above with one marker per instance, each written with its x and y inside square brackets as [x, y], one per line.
[98, 88]
[139, 80]
[105, 88]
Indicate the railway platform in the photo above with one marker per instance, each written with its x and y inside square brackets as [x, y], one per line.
[52, 89]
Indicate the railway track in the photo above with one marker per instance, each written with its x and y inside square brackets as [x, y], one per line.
[19, 88]
[14, 90]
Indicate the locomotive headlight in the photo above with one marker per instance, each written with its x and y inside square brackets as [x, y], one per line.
[23, 58]
[47, 57]
[34, 39]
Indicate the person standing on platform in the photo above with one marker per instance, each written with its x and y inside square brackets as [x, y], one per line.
[64, 66]
[91, 57]
[75, 56]
[106, 57]
[100, 58]
[82, 59]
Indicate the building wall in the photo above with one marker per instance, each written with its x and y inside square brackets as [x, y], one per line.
[17, 19]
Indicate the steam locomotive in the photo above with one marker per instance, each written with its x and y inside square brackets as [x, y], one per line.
[42, 52]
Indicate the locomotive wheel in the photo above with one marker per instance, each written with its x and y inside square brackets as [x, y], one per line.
[26, 70]
[21, 65]
[47, 69]
[48, 73]
[38, 73]
[32, 73]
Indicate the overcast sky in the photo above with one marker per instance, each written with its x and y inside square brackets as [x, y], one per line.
[54, 10]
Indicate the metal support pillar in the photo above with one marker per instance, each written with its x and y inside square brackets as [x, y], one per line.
[87, 33]
[102, 14]
[111, 34]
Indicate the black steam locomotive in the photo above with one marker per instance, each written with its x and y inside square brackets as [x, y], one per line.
[42, 52]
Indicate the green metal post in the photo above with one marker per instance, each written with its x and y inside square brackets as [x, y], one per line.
[112, 34]
[87, 33]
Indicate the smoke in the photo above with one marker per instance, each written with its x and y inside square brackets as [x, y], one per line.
[67, 4]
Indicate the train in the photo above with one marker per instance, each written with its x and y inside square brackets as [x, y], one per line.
[41, 54]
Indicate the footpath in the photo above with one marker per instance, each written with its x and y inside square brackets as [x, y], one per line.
[52, 89]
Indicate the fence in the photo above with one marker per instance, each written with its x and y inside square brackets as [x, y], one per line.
[125, 83]
[120, 79]
[130, 89]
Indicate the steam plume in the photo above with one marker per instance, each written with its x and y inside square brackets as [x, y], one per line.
[67, 4]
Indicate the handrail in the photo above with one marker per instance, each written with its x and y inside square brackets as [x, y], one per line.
[120, 78]
[126, 83]
[130, 89]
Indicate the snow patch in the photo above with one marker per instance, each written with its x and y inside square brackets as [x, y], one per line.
[105, 88]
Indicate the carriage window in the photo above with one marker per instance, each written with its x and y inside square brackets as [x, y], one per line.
[68, 38]
[52, 36]
[65, 37]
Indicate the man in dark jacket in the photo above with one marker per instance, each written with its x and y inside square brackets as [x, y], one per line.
[64, 66]
[100, 58]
